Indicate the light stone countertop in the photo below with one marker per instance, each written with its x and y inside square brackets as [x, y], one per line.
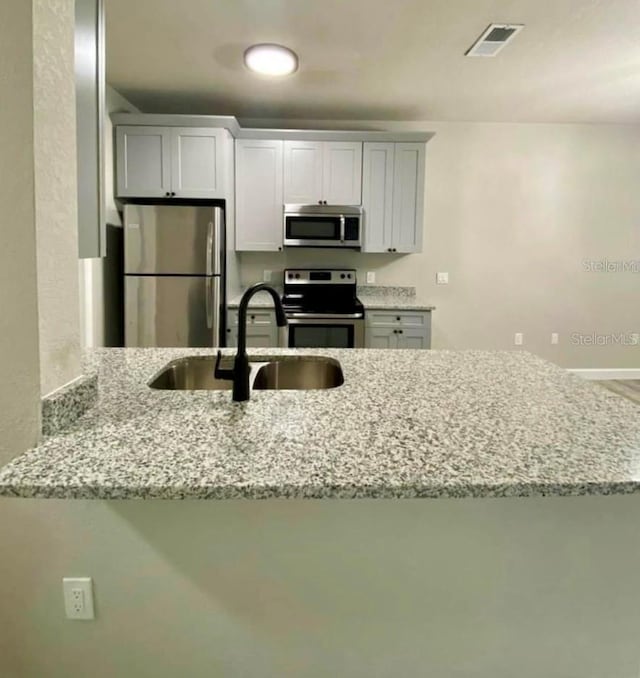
[404, 424]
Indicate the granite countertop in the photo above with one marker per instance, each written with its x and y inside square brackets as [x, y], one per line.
[373, 298]
[404, 424]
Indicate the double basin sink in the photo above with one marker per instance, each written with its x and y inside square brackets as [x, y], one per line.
[195, 373]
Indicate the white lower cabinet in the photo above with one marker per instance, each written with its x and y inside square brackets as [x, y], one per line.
[398, 329]
[262, 331]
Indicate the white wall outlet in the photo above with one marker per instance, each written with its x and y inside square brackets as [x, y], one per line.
[371, 277]
[266, 275]
[635, 338]
[78, 597]
[555, 338]
[442, 278]
[518, 339]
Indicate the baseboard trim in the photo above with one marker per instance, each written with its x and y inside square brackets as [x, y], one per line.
[613, 373]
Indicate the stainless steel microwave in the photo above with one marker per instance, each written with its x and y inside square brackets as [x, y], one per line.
[323, 226]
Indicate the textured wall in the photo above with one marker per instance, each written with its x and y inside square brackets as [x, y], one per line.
[496, 588]
[512, 212]
[20, 384]
[55, 185]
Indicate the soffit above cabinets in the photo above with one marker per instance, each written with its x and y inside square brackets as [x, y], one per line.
[231, 123]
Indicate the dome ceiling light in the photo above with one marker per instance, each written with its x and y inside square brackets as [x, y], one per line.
[270, 59]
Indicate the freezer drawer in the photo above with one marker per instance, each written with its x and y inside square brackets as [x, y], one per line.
[173, 240]
[172, 311]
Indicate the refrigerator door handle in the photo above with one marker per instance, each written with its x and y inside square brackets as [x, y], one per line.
[212, 294]
[208, 295]
[210, 235]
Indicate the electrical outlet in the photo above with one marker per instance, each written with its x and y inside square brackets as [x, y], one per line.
[78, 597]
[266, 276]
[518, 340]
[555, 338]
[371, 277]
[442, 278]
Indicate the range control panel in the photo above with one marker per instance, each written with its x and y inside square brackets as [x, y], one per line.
[317, 276]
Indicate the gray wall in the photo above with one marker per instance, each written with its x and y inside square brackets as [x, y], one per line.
[309, 589]
[56, 192]
[512, 213]
[20, 384]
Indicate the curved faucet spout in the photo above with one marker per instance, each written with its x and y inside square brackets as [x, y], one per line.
[241, 370]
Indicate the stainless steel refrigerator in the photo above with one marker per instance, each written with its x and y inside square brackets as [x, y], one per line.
[174, 265]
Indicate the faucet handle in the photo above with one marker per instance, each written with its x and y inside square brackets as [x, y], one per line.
[219, 373]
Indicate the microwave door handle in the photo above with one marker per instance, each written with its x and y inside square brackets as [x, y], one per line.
[342, 221]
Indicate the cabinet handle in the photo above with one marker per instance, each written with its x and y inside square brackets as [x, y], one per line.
[167, 194]
[279, 249]
[400, 331]
[253, 317]
[398, 318]
[173, 194]
[319, 202]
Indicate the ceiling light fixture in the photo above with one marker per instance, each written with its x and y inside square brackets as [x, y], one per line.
[270, 59]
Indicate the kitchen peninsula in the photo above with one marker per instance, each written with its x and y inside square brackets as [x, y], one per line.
[405, 424]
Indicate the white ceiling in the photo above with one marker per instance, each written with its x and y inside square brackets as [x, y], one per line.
[575, 61]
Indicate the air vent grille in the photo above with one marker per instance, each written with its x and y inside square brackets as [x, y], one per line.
[493, 39]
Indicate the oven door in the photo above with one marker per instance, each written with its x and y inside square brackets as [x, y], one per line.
[325, 332]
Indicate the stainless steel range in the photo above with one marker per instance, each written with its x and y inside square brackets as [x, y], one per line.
[322, 308]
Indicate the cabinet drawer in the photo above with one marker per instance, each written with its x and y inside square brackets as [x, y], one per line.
[260, 318]
[397, 319]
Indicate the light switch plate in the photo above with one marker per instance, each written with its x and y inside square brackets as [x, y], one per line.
[266, 275]
[518, 339]
[555, 338]
[371, 277]
[442, 278]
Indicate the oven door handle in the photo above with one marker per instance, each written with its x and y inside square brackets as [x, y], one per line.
[325, 316]
[342, 225]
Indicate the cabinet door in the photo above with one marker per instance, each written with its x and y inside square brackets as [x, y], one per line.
[342, 172]
[408, 197]
[412, 338]
[143, 162]
[303, 172]
[377, 196]
[197, 162]
[259, 196]
[381, 337]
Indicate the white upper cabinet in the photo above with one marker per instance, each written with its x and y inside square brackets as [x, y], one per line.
[143, 161]
[303, 171]
[408, 197]
[393, 196]
[327, 172]
[170, 162]
[259, 196]
[342, 172]
[197, 162]
[377, 196]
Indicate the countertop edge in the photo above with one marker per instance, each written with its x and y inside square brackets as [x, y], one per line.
[321, 492]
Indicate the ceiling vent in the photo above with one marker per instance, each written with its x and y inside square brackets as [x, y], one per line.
[493, 40]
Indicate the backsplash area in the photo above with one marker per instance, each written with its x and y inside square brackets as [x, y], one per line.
[389, 269]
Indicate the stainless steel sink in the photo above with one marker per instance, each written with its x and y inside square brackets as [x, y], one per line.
[195, 373]
[190, 374]
[302, 373]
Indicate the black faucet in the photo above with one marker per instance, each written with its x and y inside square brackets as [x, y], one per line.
[241, 370]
